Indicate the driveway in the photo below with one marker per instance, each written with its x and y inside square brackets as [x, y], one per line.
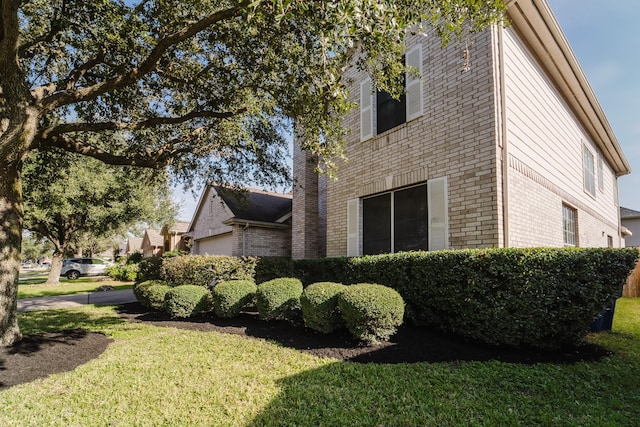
[75, 300]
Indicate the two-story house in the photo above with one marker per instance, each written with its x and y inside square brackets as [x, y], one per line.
[500, 143]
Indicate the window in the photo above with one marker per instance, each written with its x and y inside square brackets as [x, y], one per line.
[588, 165]
[569, 225]
[408, 219]
[600, 174]
[609, 241]
[389, 112]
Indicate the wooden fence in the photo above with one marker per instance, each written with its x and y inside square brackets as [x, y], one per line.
[632, 287]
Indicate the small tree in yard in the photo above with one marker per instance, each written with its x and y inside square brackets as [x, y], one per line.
[201, 86]
[71, 199]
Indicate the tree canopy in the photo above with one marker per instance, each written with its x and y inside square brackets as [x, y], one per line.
[70, 198]
[203, 87]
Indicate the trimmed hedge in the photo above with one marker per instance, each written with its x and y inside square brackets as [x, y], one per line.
[230, 297]
[269, 268]
[371, 312]
[203, 269]
[140, 290]
[187, 300]
[539, 297]
[319, 304]
[279, 298]
[153, 294]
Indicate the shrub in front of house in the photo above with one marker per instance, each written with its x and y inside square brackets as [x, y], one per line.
[125, 272]
[279, 298]
[149, 269]
[202, 270]
[269, 268]
[154, 294]
[187, 300]
[319, 304]
[371, 312]
[140, 291]
[539, 297]
[230, 297]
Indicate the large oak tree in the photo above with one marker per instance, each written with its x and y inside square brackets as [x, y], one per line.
[199, 86]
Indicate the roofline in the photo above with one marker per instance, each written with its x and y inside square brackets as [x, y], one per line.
[249, 222]
[536, 24]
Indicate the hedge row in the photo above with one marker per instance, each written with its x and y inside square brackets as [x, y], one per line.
[541, 297]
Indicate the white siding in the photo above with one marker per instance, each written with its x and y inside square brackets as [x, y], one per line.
[634, 226]
[545, 143]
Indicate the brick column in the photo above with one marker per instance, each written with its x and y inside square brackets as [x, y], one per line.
[305, 226]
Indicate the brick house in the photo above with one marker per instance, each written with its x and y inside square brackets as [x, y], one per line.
[501, 144]
[152, 243]
[173, 237]
[631, 222]
[259, 225]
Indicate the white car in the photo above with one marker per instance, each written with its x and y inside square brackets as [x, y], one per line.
[76, 267]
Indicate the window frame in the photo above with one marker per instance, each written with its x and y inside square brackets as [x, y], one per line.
[569, 226]
[588, 171]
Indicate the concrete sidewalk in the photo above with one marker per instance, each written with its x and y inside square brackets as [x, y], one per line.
[75, 300]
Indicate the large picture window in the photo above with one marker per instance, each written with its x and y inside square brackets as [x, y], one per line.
[395, 221]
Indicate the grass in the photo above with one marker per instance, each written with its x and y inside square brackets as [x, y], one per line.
[153, 376]
[68, 287]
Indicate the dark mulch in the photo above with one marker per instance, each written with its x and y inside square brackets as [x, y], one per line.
[39, 355]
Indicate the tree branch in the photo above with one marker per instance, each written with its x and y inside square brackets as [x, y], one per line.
[9, 28]
[147, 65]
[153, 122]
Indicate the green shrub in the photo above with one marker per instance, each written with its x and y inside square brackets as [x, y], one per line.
[203, 269]
[279, 298]
[187, 300]
[149, 269]
[154, 294]
[319, 304]
[134, 258]
[371, 312]
[539, 297]
[230, 297]
[140, 290]
[269, 268]
[126, 272]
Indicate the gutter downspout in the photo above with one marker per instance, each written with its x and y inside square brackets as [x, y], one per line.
[503, 139]
[244, 244]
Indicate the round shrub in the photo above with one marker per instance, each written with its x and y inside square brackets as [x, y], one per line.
[151, 293]
[187, 300]
[230, 297]
[319, 304]
[278, 298]
[371, 312]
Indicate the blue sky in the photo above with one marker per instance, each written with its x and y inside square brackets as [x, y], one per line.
[605, 38]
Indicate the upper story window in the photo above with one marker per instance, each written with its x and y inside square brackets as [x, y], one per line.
[589, 171]
[390, 112]
[600, 174]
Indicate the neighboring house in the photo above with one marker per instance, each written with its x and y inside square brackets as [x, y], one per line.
[631, 221]
[511, 149]
[173, 237]
[134, 244]
[152, 243]
[259, 225]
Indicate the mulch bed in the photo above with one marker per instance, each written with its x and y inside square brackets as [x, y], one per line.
[40, 355]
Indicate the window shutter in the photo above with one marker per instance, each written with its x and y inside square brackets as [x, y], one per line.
[414, 84]
[437, 207]
[366, 110]
[353, 227]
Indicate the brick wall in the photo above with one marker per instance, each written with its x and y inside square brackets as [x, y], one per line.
[260, 241]
[455, 137]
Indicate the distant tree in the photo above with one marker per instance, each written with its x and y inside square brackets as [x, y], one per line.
[78, 202]
[34, 248]
[200, 86]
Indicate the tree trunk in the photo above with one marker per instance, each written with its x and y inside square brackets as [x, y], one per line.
[11, 214]
[56, 266]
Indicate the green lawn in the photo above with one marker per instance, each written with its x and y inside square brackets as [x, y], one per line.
[67, 287]
[151, 376]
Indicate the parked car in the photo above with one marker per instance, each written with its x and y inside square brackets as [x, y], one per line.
[76, 267]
